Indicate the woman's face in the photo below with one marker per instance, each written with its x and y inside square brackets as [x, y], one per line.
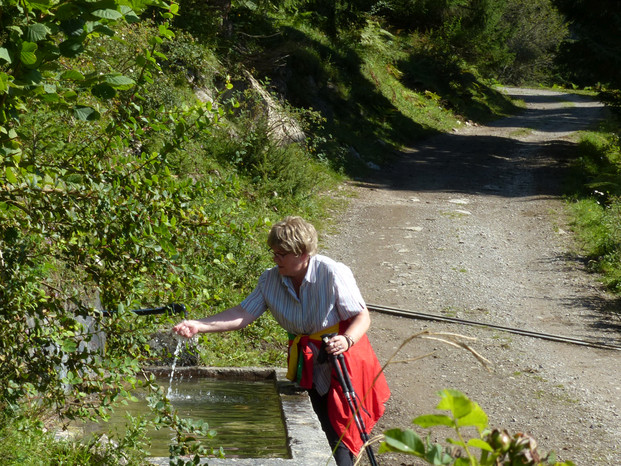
[289, 264]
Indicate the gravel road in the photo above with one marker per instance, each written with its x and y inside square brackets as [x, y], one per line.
[471, 225]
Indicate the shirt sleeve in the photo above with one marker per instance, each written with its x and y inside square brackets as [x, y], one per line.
[349, 301]
[255, 304]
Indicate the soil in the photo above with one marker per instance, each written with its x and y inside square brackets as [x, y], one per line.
[473, 225]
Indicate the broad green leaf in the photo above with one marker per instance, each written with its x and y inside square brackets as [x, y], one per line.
[4, 82]
[69, 346]
[10, 176]
[103, 29]
[103, 91]
[72, 378]
[36, 32]
[41, 5]
[132, 18]
[477, 418]
[4, 55]
[432, 420]
[28, 54]
[118, 81]
[86, 113]
[437, 456]
[165, 32]
[129, 13]
[478, 443]
[73, 75]
[73, 26]
[462, 462]
[32, 77]
[71, 47]
[456, 402]
[404, 441]
[107, 13]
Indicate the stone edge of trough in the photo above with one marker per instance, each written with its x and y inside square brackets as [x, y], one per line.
[306, 441]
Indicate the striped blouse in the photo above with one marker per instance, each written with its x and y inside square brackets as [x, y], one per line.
[328, 295]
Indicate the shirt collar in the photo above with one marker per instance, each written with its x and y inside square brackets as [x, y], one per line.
[311, 276]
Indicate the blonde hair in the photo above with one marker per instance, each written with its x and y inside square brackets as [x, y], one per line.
[293, 235]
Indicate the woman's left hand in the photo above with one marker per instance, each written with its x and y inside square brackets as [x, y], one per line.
[336, 345]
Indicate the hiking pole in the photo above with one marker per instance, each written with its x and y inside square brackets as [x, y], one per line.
[350, 395]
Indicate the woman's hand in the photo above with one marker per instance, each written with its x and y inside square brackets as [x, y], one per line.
[336, 345]
[188, 328]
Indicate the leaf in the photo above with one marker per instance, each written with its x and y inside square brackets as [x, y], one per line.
[4, 55]
[69, 346]
[456, 402]
[118, 81]
[478, 443]
[10, 176]
[32, 77]
[437, 456]
[456, 442]
[73, 26]
[84, 113]
[71, 47]
[404, 441]
[462, 462]
[28, 53]
[432, 420]
[4, 82]
[107, 13]
[36, 32]
[477, 418]
[72, 75]
[103, 91]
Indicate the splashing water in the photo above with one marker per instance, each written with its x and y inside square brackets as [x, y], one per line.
[172, 370]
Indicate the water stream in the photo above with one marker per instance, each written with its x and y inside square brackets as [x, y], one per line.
[174, 365]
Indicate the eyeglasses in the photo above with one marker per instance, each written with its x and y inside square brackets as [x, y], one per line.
[279, 255]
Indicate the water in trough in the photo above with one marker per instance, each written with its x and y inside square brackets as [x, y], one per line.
[245, 414]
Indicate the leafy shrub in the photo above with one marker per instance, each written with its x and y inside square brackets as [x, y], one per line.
[496, 447]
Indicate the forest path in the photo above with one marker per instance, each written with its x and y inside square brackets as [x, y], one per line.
[472, 225]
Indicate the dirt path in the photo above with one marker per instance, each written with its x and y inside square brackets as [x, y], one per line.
[471, 225]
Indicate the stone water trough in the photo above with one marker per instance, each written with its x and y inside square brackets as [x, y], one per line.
[306, 442]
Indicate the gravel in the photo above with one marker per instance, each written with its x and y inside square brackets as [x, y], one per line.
[471, 225]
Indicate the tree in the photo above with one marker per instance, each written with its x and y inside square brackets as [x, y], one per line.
[592, 53]
[89, 207]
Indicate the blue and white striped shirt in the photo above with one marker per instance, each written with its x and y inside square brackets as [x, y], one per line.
[328, 295]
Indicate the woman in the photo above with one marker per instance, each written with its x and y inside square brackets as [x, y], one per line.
[310, 296]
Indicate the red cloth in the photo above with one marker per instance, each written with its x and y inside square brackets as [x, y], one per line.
[371, 390]
[367, 379]
[306, 378]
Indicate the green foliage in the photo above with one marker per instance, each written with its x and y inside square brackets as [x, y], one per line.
[27, 442]
[509, 40]
[596, 196]
[119, 189]
[590, 57]
[102, 206]
[496, 447]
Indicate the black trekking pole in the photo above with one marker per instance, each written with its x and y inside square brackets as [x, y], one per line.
[350, 395]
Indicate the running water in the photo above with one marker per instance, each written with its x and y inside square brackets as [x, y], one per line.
[172, 370]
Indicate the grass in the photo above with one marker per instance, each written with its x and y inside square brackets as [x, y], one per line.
[594, 198]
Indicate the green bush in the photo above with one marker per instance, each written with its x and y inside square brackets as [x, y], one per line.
[596, 203]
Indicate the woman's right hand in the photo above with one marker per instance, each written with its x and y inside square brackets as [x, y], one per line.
[187, 328]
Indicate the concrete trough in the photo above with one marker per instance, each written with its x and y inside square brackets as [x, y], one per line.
[307, 443]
